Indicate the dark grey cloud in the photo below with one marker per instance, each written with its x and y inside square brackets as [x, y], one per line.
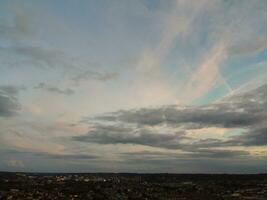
[108, 134]
[17, 153]
[11, 89]
[218, 154]
[165, 126]
[66, 156]
[53, 89]
[207, 160]
[256, 136]
[8, 105]
[199, 153]
[230, 113]
[94, 75]
[239, 110]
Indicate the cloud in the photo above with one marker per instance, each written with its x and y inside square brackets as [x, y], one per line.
[200, 153]
[15, 163]
[176, 23]
[240, 110]
[44, 155]
[24, 44]
[249, 47]
[20, 33]
[11, 89]
[256, 136]
[206, 161]
[54, 89]
[167, 127]
[227, 29]
[60, 156]
[94, 75]
[37, 54]
[72, 157]
[196, 86]
[8, 104]
[129, 135]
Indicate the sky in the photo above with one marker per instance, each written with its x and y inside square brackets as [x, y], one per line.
[148, 86]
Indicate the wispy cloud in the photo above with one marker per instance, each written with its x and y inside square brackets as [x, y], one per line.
[248, 47]
[94, 75]
[198, 86]
[54, 89]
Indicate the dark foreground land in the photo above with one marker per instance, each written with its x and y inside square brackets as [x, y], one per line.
[132, 186]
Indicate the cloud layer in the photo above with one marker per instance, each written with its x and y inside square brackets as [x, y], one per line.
[168, 126]
[8, 103]
[162, 82]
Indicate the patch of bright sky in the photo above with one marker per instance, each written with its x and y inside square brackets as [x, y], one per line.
[234, 132]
